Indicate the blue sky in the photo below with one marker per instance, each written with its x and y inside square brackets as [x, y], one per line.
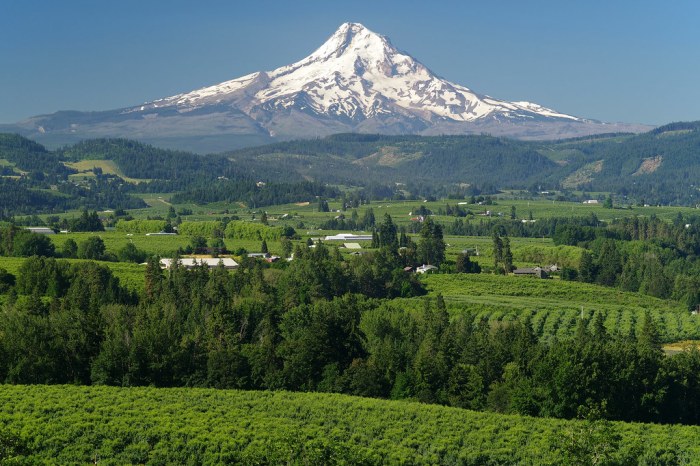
[631, 61]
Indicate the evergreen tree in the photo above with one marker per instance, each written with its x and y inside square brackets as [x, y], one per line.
[287, 246]
[497, 249]
[387, 234]
[507, 256]
[431, 246]
[323, 205]
[465, 265]
[69, 249]
[586, 269]
[375, 239]
[92, 248]
[609, 266]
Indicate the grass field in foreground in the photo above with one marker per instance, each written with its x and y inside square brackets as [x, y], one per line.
[77, 425]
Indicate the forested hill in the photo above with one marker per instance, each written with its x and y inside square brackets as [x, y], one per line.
[357, 158]
[138, 160]
[656, 167]
[104, 173]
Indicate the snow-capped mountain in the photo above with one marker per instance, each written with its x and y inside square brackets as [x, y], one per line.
[356, 81]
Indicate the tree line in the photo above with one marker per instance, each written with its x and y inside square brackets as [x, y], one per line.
[323, 323]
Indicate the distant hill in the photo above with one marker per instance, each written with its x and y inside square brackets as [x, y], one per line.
[660, 166]
[657, 167]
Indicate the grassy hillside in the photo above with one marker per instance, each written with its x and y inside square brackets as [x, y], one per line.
[77, 425]
[86, 168]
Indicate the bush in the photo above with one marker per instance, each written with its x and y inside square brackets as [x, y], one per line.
[7, 280]
[92, 248]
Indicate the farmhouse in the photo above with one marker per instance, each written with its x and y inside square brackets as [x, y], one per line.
[192, 262]
[538, 272]
[41, 230]
[266, 256]
[348, 237]
[425, 268]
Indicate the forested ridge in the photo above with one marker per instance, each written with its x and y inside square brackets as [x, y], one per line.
[655, 167]
[490, 162]
[36, 181]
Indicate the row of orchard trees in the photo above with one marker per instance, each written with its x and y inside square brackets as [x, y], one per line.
[323, 324]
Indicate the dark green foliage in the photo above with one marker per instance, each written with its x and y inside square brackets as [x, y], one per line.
[7, 280]
[91, 248]
[130, 253]
[205, 191]
[586, 270]
[13, 448]
[18, 196]
[502, 255]
[138, 160]
[465, 265]
[43, 277]
[431, 245]
[56, 342]
[568, 273]
[69, 249]
[86, 222]
[30, 244]
[29, 156]
[20, 242]
[387, 234]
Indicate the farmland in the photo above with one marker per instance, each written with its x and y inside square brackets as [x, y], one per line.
[554, 306]
[109, 425]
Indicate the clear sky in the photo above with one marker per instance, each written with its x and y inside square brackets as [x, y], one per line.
[630, 61]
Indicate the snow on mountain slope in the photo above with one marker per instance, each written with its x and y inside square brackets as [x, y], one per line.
[357, 74]
[357, 81]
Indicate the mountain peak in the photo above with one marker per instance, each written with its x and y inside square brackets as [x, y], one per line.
[352, 37]
[356, 81]
[357, 75]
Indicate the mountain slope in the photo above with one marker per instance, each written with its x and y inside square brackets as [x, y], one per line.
[357, 81]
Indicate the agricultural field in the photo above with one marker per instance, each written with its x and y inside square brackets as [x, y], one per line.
[305, 216]
[401, 210]
[555, 306]
[110, 425]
